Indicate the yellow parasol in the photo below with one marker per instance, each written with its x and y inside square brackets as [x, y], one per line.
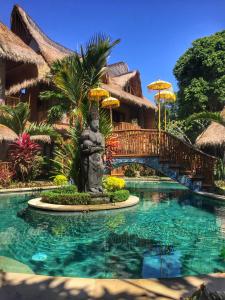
[110, 103]
[96, 94]
[158, 86]
[167, 96]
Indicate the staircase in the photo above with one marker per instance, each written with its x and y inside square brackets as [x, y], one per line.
[167, 154]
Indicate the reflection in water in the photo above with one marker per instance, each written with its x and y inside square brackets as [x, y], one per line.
[170, 233]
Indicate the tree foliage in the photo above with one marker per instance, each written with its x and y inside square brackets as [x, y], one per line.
[200, 73]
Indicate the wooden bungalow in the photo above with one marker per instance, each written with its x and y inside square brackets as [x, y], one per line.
[135, 110]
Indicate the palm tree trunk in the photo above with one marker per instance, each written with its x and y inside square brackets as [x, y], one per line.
[2, 81]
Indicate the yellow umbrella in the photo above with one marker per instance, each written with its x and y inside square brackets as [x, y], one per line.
[167, 96]
[158, 86]
[96, 94]
[110, 103]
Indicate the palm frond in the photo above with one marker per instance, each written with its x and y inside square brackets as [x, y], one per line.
[15, 117]
[41, 129]
[105, 125]
[208, 116]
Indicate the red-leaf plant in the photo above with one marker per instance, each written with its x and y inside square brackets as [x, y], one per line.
[22, 154]
[6, 176]
[112, 143]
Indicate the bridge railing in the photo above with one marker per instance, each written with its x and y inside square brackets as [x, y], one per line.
[149, 142]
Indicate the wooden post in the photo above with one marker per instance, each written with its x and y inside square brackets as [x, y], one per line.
[2, 81]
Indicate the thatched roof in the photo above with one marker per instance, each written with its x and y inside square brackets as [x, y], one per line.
[23, 26]
[123, 79]
[125, 97]
[42, 71]
[7, 134]
[117, 69]
[13, 48]
[214, 135]
[41, 138]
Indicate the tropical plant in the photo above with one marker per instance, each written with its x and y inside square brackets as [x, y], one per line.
[16, 118]
[23, 154]
[73, 77]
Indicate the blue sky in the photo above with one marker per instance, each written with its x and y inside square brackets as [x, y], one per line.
[154, 34]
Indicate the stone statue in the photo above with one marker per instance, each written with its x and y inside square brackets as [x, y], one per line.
[92, 148]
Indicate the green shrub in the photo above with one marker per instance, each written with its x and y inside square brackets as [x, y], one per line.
[132, 170]
[112, 184]
[119, 196]
[220, 170]
[68, 189]
[60, 180]
[66, 199]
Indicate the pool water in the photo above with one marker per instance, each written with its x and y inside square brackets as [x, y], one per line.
[170, 233]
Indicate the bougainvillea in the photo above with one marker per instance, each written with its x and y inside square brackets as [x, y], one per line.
[23, 154]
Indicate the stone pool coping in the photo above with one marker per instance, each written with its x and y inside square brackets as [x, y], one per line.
[28, 189]
[16, 286]
[37, 203]
[211, 195]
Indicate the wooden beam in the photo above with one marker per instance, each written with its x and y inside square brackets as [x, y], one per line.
[2, 80]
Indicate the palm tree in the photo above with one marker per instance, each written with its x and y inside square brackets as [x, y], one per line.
[73, 77]
[16, 118]
[208, 116]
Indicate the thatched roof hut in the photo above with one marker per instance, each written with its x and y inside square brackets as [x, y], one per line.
[7, 134]
[23, 26]
[212, 139]
[214, 135]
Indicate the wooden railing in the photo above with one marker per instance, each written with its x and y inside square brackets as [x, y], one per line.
[125, 126]
[148, 142]
[12, 101]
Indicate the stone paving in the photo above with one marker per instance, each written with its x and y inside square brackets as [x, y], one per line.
[34, 287]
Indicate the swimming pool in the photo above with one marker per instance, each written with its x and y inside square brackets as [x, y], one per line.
[170, 233]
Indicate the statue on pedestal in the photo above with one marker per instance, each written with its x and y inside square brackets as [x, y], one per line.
[92, 147]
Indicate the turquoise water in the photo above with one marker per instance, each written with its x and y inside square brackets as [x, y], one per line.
[170, 233]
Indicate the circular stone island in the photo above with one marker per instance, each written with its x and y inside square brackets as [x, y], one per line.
[37, 203]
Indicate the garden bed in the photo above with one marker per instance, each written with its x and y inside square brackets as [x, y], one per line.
[69, 196]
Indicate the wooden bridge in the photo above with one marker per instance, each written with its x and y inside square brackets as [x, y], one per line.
[167, 154]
